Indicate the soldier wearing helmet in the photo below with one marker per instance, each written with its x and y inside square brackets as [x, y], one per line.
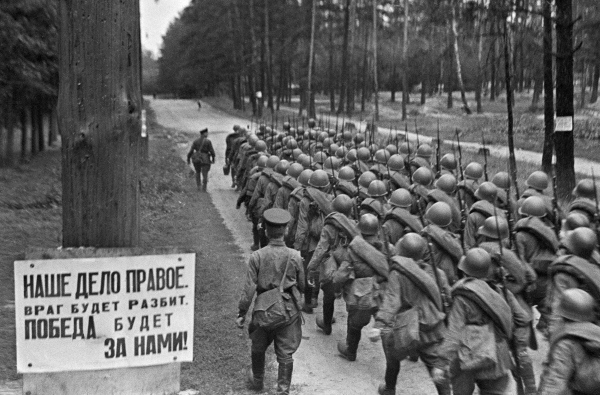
[537, 245]
[288, 184]
[364, 181]
[585, 200]
[233, 142]
[246, 151]
[361, 274]
[294, 206]
[422, 179]
[398, 221]
[444, 191]
[446, 247]
[314, 207]
[398, 175]
[411, 284]
[256, 202]
[345, 184]
[467, 187]
[537, 183]
[338, 231]
[476, 300]
[378, 190]
[480, 210]
[448, 165]
[276, 183]
[572, 362]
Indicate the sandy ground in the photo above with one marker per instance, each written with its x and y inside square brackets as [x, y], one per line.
[318, 369]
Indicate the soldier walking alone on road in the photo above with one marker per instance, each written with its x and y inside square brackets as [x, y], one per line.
[274, 272]
[202, 156]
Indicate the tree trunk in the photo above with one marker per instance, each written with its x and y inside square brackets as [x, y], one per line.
[548, 89]
[268, 59]
[345, 61]
[583, 84]
[479, 82]
[35, 130]
[364, 73]
[9, 158]
[461, 85]
[393, 76]
[24, 134]
[405, 62]
[100, 109]
[494, 51]
[450, 74]
[311, 54]
[331, 80]
[252, 72]
[351, 63]
[40, 124]
[563, 141]
[375, 64]
[596, 77]
[509, 108]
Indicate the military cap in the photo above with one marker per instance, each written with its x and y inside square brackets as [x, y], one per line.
[277, 217]
[205, 130]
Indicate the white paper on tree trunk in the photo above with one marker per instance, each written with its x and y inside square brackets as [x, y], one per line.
[563, 124]
[103, 313]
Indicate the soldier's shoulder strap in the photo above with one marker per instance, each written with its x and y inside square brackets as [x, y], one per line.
[419, 277]
[488, 300]
[347, 187]
[585, 205]
[343, 224]
[580, 330]
[484, 208]
[404, 218]
[540, 231]
[580, 268]
[276, 178]
[320, 198]
[446, 241]
[400, 179]
[369, 254]
[290, 183]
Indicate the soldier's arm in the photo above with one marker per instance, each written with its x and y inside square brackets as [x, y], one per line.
[392, 302]
[558, 370]
[302, 226]
[211, 150]
[321, 251]
[249, 287]
[470, 231]
[300, 275]
[457, 318]
[191, 152]
[279, 198]
[256, 194]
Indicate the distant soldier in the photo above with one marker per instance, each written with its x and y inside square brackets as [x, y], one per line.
[229, 141]
[467, 187]
[202, 156]
[288, 184]
[537, 183]
[445, 189]
[573, 360]
[271, 268]
[399, 221]
[480, 210]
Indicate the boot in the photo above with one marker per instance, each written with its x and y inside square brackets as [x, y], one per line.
[343, 350]
[528, 378]
[284, 378]
[324, 327]
[255, 381]
[383, 390]
[203, 187]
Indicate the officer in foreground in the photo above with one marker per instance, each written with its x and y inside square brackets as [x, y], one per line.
[573, 361]
[275, 272]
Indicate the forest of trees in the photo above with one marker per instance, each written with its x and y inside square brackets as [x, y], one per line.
[243, 46]
[28, 77]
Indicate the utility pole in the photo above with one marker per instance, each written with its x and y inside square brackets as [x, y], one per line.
[99, 108]
[563, 129]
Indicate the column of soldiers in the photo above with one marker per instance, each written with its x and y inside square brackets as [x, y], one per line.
[448, 265]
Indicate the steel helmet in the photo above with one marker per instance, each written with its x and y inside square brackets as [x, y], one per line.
[424, 151]
[576, 305]
[333, 148]
[392, 149]
[268, 130]
[382, 156]
[476, 263]
[359, 138]
[363, 154]
[366, 178]
[319, 179]
[487, 191]
[533, 206]
[376, 189]
[282, 167]
[396, 162]
[407, 148]
[252, 139]
[446, 183]
[347, 136]
[439, 214]
[346, 174]
[305, 160]
[292, 143]
[473, 171]
[341, 152]
[368, 224]
[285, 140]
[311, 123]
[351, 155]
[296, 152]
[373, 148]
[320, 157]
[294, 170]
[280, 137]
[260, 146]
[332, 133]
[343, 204]
[401, 198]
[494, 227]
[581, 242]
[585, 189]
[537, 180]
[286, 125]
[448, 162]
[304, 177]
[322, 137]
[301, 130]
[577, 220]
[501, 180]
[412, 245]
[327, 142]
[262, 161]
[422, 176]
[272, 161]
[331, 163]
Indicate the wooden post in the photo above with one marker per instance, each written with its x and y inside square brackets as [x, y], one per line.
[99, 119]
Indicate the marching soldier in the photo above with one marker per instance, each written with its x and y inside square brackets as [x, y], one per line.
[294, 206]
[467, 187]
[202, 156]
[537, 183]
[274, 268]
[445, 188]
[289, 183]
[399, 221]
[480, 210]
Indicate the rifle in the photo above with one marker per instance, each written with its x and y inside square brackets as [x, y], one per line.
[445, 304]
[437, 151]
[407, 160]
[511, 223]
[555, 202]
[511, 342]
[461, 202]
[417, 133]
[484, 156]
[597, 215]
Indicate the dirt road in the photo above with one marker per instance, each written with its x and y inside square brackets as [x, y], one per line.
[318, 369]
